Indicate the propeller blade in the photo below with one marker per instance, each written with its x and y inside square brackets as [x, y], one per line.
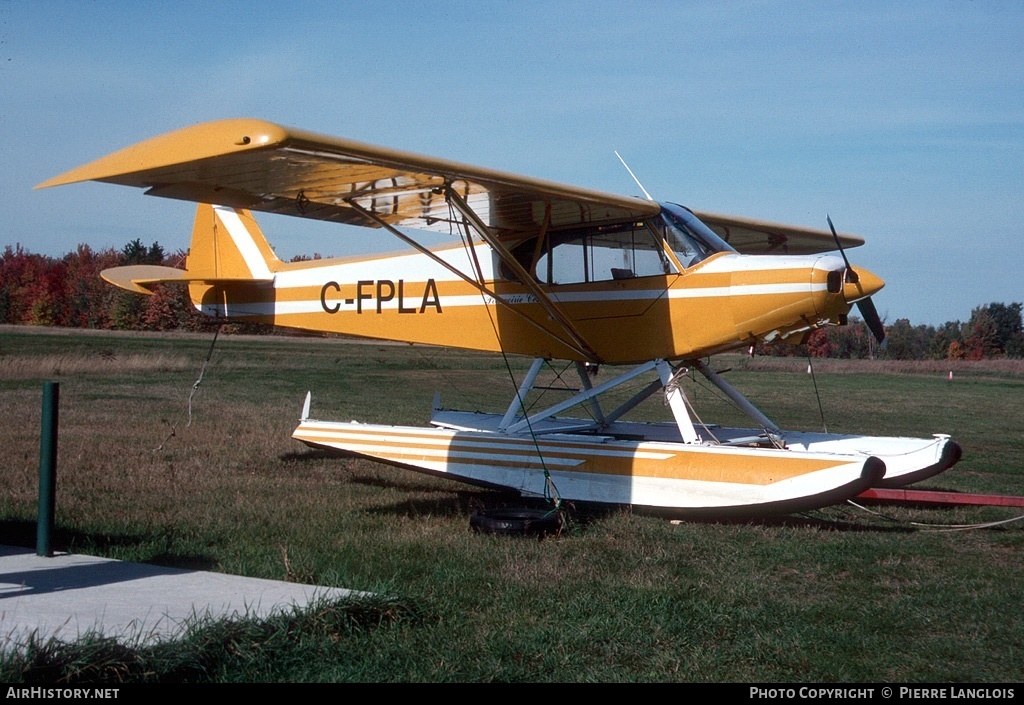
[871, 318]
[865, 306]
[851, 276]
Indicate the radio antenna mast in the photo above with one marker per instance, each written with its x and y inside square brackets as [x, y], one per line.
[633, 175]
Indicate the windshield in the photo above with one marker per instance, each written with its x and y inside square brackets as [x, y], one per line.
[689, 238]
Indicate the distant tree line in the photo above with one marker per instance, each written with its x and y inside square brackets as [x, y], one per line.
[993, 331]
[67, 291]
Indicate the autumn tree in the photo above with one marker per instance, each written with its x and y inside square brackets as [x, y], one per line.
[904, 341]
[942, 342]
[852, 341]
[818, 344]
[128, 311]
[981, 338]
[1009, 327]
[87, 297]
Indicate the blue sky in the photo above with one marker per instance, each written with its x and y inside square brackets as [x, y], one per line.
[904, 121]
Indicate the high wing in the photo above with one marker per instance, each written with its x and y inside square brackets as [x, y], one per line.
[260, 166]
[760, 237]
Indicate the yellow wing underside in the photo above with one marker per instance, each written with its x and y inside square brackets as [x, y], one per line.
[260, 166]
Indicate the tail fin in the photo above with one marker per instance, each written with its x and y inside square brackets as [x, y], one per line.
[227, 246]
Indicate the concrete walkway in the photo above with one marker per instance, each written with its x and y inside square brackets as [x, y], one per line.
[68, 595]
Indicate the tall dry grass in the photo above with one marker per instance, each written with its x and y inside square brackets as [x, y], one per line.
[62, 365]
[1004, 366]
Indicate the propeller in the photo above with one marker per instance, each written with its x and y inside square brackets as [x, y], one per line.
[866, 306]
[872, 319]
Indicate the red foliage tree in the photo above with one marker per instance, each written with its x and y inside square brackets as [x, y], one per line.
[982, 336]
[818, 344]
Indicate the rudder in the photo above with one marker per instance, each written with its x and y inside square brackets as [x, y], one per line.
[227, 244]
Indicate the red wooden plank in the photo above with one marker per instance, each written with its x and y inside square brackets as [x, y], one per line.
[937, 497]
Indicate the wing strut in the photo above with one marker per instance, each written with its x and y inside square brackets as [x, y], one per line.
[581, 349]
[524, 277]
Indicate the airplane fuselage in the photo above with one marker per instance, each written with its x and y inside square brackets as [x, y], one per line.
[723, 302]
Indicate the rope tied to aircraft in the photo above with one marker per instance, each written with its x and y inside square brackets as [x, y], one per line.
[814, 380]
[202, 372]
[673, 386]
[936, 527]
[195, 388]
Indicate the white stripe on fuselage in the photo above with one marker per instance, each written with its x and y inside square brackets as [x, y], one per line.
[411, 267]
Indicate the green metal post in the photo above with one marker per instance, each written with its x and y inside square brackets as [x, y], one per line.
[47, 469]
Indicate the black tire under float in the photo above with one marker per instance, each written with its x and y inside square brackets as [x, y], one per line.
[516, 521]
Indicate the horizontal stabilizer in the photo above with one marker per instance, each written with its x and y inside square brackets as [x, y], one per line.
[140, 278]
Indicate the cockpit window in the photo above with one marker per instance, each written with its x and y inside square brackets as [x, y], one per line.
[619, 251]
[691, 240]
[622, 251]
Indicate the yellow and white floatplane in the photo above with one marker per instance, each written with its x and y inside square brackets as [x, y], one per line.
[649, 290]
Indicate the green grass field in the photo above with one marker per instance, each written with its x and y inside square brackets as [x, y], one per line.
[835, 595]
